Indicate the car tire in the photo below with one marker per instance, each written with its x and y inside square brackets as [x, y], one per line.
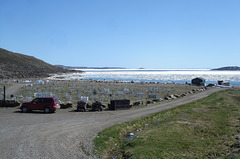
[24, 109]
[47, 110]
[100, 108]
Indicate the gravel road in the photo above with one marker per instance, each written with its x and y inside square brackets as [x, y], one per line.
[66, 133]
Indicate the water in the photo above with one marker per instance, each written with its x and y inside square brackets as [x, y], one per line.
[157, 75]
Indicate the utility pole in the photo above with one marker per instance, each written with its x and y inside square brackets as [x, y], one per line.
[4, 95]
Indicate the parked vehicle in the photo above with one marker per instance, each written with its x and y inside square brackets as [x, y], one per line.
[82, 105]
[47, 104]
[97, 106]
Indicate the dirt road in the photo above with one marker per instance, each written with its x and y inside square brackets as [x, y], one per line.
[66, 133]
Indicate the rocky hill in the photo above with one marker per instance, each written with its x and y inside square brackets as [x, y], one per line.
[229, 68]
[15, 65]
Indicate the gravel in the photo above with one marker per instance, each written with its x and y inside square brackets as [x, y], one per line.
[66, 133]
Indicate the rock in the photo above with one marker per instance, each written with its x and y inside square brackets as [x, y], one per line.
[236, 145]
[237, 137]
[172, 96]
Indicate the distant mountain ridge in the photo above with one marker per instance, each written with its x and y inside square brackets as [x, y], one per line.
[228, 68]
[79, 67]
[16, 65]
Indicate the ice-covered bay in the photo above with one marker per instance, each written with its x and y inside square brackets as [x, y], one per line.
[178, 76]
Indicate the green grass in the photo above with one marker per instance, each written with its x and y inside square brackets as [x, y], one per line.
[202, 129]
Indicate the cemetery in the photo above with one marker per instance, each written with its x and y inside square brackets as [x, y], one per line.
[70, 92]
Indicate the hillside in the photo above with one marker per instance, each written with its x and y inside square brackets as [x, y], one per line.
[16, 65]
[229, 68]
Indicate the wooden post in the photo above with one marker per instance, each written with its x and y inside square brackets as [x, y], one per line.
[4, 95]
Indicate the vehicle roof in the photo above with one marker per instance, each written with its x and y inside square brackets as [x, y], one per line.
[46, 97]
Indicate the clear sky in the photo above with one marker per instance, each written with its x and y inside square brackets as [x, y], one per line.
[124, 33]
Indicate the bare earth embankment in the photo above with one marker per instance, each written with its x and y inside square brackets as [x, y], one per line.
[66, 133]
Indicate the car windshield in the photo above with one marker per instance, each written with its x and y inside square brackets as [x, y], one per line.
[56, 100]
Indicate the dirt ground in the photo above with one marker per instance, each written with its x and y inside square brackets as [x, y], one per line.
[13, 89]
[66, 133]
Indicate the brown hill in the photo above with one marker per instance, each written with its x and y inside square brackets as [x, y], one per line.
[15, 65]
[228, 68]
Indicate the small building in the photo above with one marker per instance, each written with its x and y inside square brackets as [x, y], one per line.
[199, 81]
[119, 104]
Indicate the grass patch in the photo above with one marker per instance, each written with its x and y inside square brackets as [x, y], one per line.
[202, 129]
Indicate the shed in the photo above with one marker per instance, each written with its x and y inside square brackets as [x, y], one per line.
[199, 81]
[119, 104]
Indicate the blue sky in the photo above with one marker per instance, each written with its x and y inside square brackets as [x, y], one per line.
[124, 33]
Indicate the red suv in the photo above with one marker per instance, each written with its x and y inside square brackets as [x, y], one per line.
[47, 104]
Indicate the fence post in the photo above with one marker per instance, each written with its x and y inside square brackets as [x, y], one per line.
[4, 95]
